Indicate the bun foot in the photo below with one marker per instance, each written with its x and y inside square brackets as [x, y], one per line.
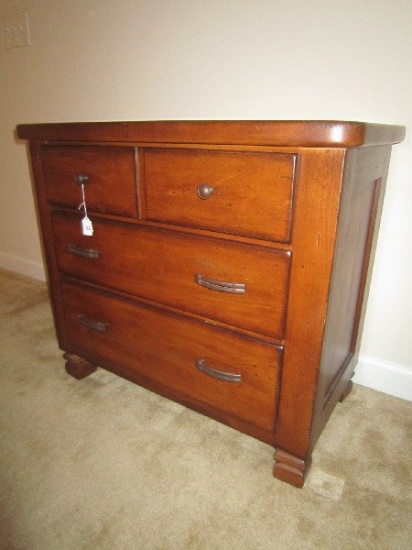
[289, 468]
[78, 367]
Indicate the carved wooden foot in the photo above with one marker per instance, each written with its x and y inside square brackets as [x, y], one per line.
[346, 391]
[77, 366]
[289, 468]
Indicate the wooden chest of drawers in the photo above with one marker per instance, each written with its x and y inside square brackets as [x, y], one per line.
[228, 263]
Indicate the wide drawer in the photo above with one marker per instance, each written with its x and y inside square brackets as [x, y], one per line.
[238, 284]
[243, 193]
[110, 175]
[212, 367]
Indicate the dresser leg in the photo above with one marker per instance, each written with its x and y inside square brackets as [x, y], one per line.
[77, 366]
[346, 391]
[289, 468]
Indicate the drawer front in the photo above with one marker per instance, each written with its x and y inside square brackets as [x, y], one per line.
[238, 284]
[236, 375]
[242, 193]
[110, 172]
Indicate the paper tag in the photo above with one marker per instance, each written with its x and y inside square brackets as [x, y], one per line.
[87, 227]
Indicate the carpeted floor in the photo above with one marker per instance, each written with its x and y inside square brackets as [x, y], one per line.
[103, 464]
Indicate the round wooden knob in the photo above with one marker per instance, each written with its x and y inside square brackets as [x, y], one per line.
[204, 191]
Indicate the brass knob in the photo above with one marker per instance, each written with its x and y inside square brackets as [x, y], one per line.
[81, 179]
[204, 191]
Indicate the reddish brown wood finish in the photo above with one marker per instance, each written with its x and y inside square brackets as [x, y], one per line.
[161, 266]
[78, 367]
[289, 468]
[360, 205]
[110, 172]
[164, 348]
[251, 192]
[286, 133]
[317, 204]
[291, 220]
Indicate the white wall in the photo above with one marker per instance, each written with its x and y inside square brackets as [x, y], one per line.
[222, 59]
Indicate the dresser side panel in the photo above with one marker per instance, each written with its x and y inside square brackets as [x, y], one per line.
[361, 204]
[319, 178]
[47, 240]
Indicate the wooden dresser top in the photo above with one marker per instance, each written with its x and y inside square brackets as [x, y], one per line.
[264, 133]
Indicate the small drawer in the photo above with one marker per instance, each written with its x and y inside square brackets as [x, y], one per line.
[237, 284]
[242, 193]
[108, 174]
[222, 371]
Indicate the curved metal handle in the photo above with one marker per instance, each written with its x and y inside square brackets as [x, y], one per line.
[220, 286]
[231, 377]
[83, 252]
[81, 179]
[204, 190]
[89, 323]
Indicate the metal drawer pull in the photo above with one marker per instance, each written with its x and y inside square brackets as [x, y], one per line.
[204, 190]
[94, 325]
[83, 252]
[231, 377]
[220, 286]
[81, 179]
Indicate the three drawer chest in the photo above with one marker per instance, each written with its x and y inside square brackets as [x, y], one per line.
[222, 264]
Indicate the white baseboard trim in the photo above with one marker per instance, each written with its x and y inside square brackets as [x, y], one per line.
[24, 267]
[384, 376]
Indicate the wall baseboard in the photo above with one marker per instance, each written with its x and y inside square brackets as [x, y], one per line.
[384, 376]
[24, 267]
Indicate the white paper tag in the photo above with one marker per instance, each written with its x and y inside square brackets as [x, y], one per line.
[87, 227]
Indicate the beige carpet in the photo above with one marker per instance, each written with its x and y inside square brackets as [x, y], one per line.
[104, 464]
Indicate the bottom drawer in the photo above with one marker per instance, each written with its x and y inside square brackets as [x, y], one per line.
[221, 370]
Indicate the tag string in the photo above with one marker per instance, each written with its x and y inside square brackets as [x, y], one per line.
[83, 204]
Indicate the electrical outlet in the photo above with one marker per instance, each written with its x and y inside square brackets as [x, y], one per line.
[14, 31]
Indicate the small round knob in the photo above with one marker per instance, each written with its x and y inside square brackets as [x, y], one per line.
[204, 191]
[81, 179]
